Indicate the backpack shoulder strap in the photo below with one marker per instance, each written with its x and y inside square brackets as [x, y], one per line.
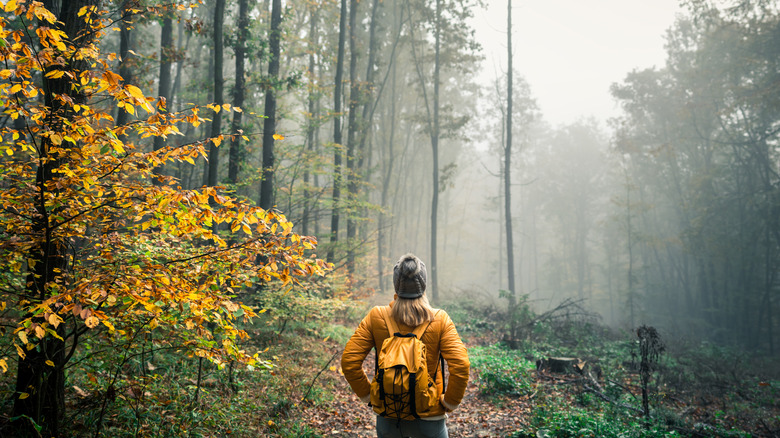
[391, 327]
[418, 333]
[384, 312]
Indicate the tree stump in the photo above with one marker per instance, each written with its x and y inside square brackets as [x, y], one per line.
[561, 365]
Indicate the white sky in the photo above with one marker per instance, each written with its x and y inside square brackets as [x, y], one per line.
[571, 51]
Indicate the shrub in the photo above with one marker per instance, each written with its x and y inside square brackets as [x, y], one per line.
[500, 370]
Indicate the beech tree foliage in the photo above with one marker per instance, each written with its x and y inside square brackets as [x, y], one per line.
[90, 242]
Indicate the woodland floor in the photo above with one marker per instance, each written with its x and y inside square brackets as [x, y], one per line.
[495, 416]
[476, 417]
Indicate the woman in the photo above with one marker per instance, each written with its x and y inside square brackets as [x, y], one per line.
[410, 308]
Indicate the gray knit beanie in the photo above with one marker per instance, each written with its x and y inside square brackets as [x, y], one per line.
[409, 277]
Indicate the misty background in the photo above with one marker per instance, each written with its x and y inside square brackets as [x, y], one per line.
[644, 160]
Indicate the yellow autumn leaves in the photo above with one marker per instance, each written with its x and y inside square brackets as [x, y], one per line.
[140, 256]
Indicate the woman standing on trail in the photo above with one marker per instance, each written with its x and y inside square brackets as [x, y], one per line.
[410, 312]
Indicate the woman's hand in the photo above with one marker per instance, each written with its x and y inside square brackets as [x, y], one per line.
[444, 404]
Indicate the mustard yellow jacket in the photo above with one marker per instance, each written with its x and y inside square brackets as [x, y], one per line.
[440, 337]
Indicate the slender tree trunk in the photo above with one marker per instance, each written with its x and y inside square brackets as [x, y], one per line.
[164, 85]
[610, 254]
[124, 54]
[238, 92]
[501, 244]
[175, 102]
[510, 249]
[435, 150]
[317, 143]
[580, 251]
[352, 128]
[313, 117]
[386, 175]
[269, 124]
[334, 221]
[219, 99]
[206, 127]
[770, 326]
[369, 100]
[184, 44]
[166, 57]
[630, 241]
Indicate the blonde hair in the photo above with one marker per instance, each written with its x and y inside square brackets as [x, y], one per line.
[412, 311]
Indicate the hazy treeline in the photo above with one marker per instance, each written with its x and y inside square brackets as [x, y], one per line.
[699, 145]
[667, 216]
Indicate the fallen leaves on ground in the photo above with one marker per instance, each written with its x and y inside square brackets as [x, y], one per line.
[347, 416]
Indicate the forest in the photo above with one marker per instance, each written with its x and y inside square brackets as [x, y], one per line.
[202, 199]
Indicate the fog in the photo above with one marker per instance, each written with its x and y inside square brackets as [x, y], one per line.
[607, 196]
[643, 165]
[571, 52]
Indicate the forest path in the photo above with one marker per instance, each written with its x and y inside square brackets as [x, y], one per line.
[476, 417]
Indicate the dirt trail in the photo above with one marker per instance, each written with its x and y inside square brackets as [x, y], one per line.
[346, 416]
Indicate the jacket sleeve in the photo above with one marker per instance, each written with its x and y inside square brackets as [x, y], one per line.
[355, 352]
[454, 352]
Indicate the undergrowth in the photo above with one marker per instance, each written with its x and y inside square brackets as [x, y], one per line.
[698, 390]
[501, 371]
[254, 402]
[159, 392]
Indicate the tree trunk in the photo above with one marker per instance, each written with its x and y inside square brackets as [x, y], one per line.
[124, 54]
[238, 92]
[165, 79]
[182, 46]
[630, 241]
[387, 172]
[269, 124]
[205, 128]
[510, 251]
[369, 105]
[44, 385]
[40, 387]
[219, 99]
[313, 124]
[560, 365]
[352, 128]
[435, 149]
[334, 220]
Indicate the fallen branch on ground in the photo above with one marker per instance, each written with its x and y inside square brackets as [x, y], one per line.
[604, 397]
[311, 385]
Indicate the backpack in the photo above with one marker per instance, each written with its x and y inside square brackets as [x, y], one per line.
[402, 387]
